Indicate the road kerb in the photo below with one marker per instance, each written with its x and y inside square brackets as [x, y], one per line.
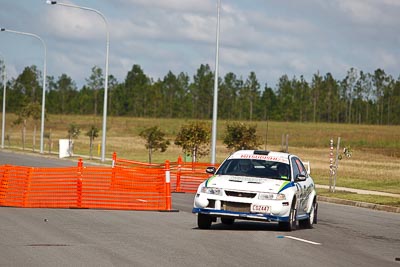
[359, 204]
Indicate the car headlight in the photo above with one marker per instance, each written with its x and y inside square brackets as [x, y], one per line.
[212, 191]
[271, 196]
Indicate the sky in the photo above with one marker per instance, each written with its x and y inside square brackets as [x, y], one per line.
[269, 37]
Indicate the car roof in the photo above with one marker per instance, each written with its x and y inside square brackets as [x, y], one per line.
[261, 155]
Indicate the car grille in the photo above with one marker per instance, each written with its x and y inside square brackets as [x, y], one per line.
[240, 194]
[235, 206]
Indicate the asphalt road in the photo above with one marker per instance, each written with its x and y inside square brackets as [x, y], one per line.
[33, 160]
[344, 236]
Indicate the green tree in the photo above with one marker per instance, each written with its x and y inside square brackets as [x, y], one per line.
[3, 73]
[201, 92]
[396, 102]
[194, 138]
[156, 106]
[21, 119]
[169, 86]
[329, 105]
[358, 101]
[112, 85]
[388, 98]
[25, 89]
[228, 96]
[95, 82]
[134, 94]
[62, 95]
[84, 104]
[367, 95]
[349, 84]
[241, 136]
[269, 104]
[92, 133]
[73, 133]
[316, 88]
[182, 99]
[379, 79]
[34, 112]
[285, 95]
[301, 94]
[173, 94]
[251, 93]
[155, 140]
[31, 110]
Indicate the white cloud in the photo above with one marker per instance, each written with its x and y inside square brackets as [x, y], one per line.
[269, 37]
[72, 23]
[371, 12]
[174, 5]
[197, 28]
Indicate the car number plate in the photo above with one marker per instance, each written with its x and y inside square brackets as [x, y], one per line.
[259, 208]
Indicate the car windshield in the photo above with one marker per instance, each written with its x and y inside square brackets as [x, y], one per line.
[255, 168]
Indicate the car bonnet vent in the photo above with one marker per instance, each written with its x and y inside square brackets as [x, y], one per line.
[261, 152]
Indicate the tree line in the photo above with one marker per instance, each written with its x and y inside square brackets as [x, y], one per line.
[360, 97]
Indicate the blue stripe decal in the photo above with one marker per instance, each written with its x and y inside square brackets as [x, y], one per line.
[288, 185]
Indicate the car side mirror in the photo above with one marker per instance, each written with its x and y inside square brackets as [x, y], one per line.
[211, 170]
[301, 177]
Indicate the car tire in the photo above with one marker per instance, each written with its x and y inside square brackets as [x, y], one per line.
[204, 221]
[227, 221]
[312, 217]
[292, 223]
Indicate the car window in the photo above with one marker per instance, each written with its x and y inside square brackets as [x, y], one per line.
[295, 168]
[253, 168]
[298, 167]
[302, 169]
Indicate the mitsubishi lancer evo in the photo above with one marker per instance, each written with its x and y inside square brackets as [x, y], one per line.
[258, 185]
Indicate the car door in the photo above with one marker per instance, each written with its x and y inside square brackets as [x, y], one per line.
[302, 185]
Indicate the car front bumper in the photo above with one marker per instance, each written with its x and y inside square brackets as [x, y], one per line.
[241, 215]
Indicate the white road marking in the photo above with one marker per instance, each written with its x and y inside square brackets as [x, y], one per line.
[302, 240]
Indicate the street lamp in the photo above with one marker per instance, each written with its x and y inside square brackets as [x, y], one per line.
[103, 141]
[3, 121]
[44, 80]
[215, 104]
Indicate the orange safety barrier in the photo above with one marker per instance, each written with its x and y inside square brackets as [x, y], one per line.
[185, 176]
[85, 187]
[189, 175]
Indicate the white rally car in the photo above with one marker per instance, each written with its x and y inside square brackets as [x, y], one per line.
[258, 185]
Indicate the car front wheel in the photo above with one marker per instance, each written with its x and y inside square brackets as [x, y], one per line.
[204, 221]
[312, 217]
[291, 224]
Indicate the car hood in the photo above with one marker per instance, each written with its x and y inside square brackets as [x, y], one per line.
[246, 183]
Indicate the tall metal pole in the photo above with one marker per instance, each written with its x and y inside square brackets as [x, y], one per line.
[44, 80]
[103, 140]
[215, 103]
[3, 121]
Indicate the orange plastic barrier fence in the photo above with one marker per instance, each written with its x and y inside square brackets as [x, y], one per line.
[85, 187]
[185, 176]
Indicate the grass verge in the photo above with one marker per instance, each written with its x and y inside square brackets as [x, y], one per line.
[380, 200]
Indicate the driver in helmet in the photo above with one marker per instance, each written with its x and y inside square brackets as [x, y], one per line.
[283, 171]
[244, 165]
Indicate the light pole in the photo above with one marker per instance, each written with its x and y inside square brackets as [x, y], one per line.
[3, 121]
[44, 80]
[103, 140]
[215, 104]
